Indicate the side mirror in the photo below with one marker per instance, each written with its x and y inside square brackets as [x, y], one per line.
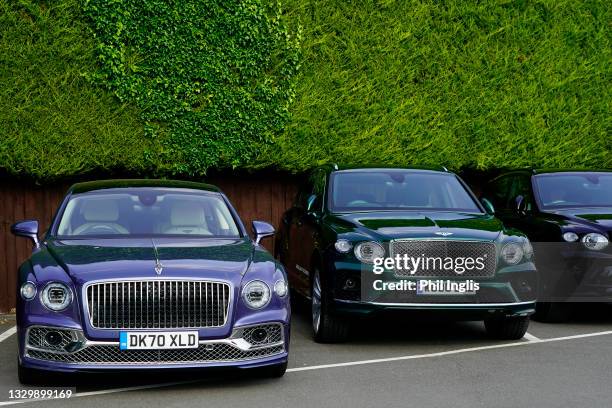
[488, 206]
[520, 204]
[27, 229]
[310, 203]
[262, 230]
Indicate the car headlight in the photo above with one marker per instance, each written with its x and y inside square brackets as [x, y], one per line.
[343, 246]
[280, 288]
[56, 296]
[366, 252]
[256, 294]
[512, 253]
[595, 241]
[570, 236]
[28, 291]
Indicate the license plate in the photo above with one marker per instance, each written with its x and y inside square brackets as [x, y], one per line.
[158, 340]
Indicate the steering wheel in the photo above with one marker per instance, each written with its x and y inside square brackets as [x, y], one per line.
[101, 229]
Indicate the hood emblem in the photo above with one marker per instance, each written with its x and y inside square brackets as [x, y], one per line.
[443, 233]
[158, 267]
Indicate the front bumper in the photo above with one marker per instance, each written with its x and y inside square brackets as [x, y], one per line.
[77, 353]
[452, 311]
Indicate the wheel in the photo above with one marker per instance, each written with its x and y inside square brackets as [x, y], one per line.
[275, 371]
[508, 328]
[27, 376]
[326, 327]
[549, 312]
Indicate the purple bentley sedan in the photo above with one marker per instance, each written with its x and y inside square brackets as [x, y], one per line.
[149, 274]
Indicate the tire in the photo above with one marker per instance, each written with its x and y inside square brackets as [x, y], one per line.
[508, 328]
[326, 327]
[549, 312]
[28, 376]
[275, 371]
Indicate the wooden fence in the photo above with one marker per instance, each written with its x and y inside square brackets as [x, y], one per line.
[259, 196]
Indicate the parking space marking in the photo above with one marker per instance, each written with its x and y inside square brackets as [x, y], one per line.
[530, 337]
[448, 353]
[346, 364]
[8, 333]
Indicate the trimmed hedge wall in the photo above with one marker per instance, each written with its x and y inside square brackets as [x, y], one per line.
[53, 121]
[162, 88]
[456, 83]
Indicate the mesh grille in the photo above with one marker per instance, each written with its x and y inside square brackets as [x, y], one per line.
[36, 338]
[442, 249]
[159, 304]
[274, 334]
[103, 354]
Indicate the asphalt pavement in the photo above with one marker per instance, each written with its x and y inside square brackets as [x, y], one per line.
[389, 362]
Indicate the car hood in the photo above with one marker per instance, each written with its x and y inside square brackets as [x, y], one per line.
[86, 260]
[600, 217]
[412, 224]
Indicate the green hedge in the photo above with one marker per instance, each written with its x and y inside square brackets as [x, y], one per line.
[459, 83]
[213, 79]
[53, 121]
[165, 88]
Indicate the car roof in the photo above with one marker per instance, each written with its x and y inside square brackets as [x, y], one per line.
[547, 171]
[127, 183]
[348, 168]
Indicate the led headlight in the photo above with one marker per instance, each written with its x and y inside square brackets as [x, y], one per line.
[256, 294]
[366, 252]
[56, 296]
[28, 291]
[570, 236]
[280, 288]
[343, 246]
[512, 253]
[595, 241]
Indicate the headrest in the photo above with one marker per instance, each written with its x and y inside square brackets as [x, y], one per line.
[186, 213]
[100, 209]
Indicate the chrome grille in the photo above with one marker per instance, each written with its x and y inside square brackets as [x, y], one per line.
[157, 304]
[446, 248]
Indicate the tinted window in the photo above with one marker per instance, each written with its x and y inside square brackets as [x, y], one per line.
[398, 189]
[574, 189]
[147, 212]
[500, 192]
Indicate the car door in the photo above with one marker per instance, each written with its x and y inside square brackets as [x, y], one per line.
[293, 251]
[308, 227]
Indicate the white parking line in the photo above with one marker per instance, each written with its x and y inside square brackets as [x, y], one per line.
[8, 333]
[530, 337]
[346, 364]
[447, 353]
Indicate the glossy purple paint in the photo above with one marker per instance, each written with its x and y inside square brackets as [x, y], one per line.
[78, 262]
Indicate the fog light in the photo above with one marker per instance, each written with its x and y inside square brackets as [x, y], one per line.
[28, 291]
[349, 284]
[259, 335]
[53, 338]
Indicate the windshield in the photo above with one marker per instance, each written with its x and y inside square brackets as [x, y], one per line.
[557, 190]
[398, 189]
[124, 212]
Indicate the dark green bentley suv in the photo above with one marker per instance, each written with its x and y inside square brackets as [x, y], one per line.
[363, 240]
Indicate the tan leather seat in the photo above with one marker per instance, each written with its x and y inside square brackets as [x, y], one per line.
[101, 216]
[187, 218]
